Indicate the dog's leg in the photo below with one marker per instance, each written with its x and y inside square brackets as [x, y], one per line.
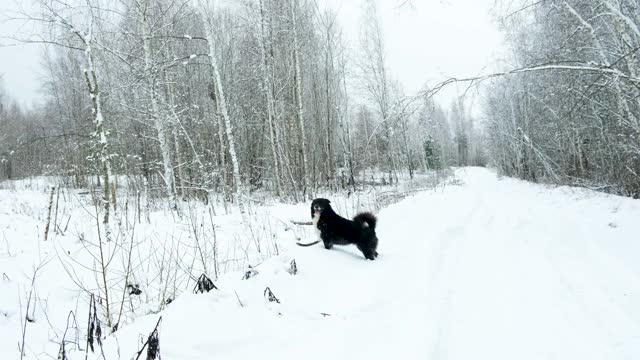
[367, 252]
[326, 239]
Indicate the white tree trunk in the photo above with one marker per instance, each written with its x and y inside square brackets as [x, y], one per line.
[222, 105]
[103, 147]
[300, 104]
[103, 154]
[159, 120]
[223, 152]
[268, 89]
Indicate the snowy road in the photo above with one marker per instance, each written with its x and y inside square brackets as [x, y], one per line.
[489, 269]
[515, 271]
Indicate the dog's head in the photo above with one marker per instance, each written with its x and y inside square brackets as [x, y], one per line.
[318, 206]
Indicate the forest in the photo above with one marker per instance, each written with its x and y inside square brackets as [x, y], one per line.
[569, 113]
[185, 99]
[175, 147]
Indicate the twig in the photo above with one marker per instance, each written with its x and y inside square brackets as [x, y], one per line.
[26, 317]
[89, 331]
[67, 225]
[62, 353]
[55, 218]
[46, 229]
[567, 65]
[238, 297]
[126, 278]
[215, 244]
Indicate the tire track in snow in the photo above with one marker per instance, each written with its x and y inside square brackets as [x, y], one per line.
[445, 273]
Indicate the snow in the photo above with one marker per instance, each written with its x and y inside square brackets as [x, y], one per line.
[482, 267]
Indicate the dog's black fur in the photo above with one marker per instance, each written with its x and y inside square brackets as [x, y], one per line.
[336, 230]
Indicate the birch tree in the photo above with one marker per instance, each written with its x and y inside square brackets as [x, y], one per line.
[86, 41]
[221, 99]
[306, 191]
[373, 69]
[266, 67]
[160, 119]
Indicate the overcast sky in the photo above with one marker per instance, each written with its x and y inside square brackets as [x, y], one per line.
[426, 41]
[19, 64]
[429, 41]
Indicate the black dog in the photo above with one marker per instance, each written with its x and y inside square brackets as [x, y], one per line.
[334, 229]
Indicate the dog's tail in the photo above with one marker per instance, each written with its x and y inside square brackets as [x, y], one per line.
[366, 219]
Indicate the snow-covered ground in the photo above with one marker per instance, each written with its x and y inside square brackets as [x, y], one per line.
[480, 268]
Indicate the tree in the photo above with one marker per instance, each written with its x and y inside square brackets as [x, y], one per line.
[298, 90]
[222, 102]
[87, 42]
[146, 17]
[267, 71]
[569, 114]
[374, 76]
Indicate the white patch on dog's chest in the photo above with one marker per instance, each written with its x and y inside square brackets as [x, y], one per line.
[314, 220]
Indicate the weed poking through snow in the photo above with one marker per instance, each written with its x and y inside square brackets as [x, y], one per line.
[152, 344]
[94, 330]
[134, 289]
[270, 295]
[250, 273]
[204, 284]
[293, 268]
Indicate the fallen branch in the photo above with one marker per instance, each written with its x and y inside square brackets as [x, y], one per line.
[570, 66]
[301, 222]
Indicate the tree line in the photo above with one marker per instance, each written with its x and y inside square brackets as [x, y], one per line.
[189, 97]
